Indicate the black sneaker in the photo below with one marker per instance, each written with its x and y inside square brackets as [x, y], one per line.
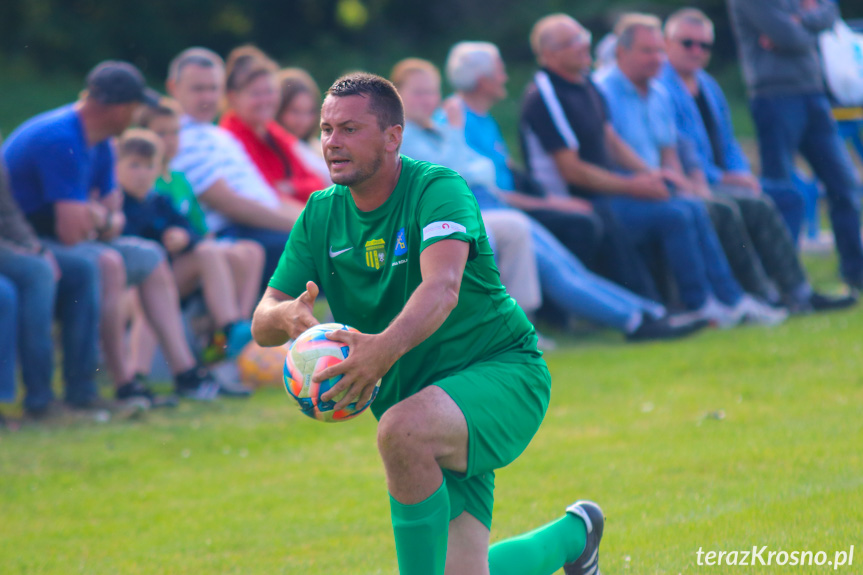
[823, 302]
[138, 390]
[588, 562]
[668, 327]
[196, 383]
[855, 283]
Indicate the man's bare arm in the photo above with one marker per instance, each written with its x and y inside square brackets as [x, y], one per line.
[371, 356]
[221, 198]
[73, 222]
[442, 267]
[279, 317]
[585, 175]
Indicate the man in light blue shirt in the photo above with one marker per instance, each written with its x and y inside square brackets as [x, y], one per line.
[642, 119]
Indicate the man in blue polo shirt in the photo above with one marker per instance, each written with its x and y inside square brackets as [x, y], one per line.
[61, 173]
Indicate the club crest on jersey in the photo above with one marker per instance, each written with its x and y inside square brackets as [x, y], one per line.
[401, 243]
[375, 253]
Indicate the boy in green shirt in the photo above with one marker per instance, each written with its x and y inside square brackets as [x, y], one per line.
[400, 250]
[242, 261]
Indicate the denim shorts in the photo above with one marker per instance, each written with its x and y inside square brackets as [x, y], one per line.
[140, 256]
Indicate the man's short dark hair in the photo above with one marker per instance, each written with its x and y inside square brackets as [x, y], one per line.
[385, 102]
[196, 56]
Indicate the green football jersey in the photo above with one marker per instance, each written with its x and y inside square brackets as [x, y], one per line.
[368, 265]
[179, 191]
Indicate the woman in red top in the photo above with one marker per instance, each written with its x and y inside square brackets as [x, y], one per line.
[253, 98]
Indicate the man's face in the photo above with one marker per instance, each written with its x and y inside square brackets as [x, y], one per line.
[642, 61]
[353, 143]
[568, 50]
[118, 117]
[495, 84]
[199, 91]
[689, 47]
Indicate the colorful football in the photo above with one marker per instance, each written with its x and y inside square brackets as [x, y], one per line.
[310, 353]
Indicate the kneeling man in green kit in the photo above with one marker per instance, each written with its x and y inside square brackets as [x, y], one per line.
[400, 250]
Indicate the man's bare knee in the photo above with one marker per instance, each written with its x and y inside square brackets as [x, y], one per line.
[112, 269]
[400, 435]
[427, 424]
[207, 249]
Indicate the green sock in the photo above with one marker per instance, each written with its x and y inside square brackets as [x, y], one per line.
[542, 551]
[421, 532]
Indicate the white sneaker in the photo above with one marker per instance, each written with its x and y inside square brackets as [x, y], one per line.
[545, 343]
[751, 310]
[716, 312]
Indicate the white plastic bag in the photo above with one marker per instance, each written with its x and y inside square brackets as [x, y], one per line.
[842, 58]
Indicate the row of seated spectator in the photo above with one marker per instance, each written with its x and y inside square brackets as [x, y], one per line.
[132, 221]
[623, 163]
[628, 171]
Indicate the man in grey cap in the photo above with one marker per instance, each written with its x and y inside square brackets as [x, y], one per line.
[61, 172]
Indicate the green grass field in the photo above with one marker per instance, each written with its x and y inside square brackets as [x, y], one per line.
[724, 441]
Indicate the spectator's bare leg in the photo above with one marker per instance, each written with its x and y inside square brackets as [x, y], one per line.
[161, 305]
[142, 340]
[246, 259]
[113, 322]
[207, 266]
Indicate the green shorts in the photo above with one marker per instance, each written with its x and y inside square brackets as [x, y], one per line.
[503, 401]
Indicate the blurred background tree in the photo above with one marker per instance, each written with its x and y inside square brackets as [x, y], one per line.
[46, 46]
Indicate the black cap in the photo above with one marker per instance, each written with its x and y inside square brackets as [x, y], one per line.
[116, 82]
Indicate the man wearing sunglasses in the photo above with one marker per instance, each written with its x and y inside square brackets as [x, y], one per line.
[702, 117]
[777, 40]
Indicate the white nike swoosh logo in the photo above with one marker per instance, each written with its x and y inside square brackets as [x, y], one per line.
[340, 252]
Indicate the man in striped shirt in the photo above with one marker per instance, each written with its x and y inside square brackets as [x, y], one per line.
[236, 198]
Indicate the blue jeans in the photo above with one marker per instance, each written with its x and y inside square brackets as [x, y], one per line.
[580, 292]
[273, 242]
[581, 234]
[8, 320]
[803, 122]
[791, 204]
[570, 285]
[684, 230]
[78, 293]
[32, 277]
